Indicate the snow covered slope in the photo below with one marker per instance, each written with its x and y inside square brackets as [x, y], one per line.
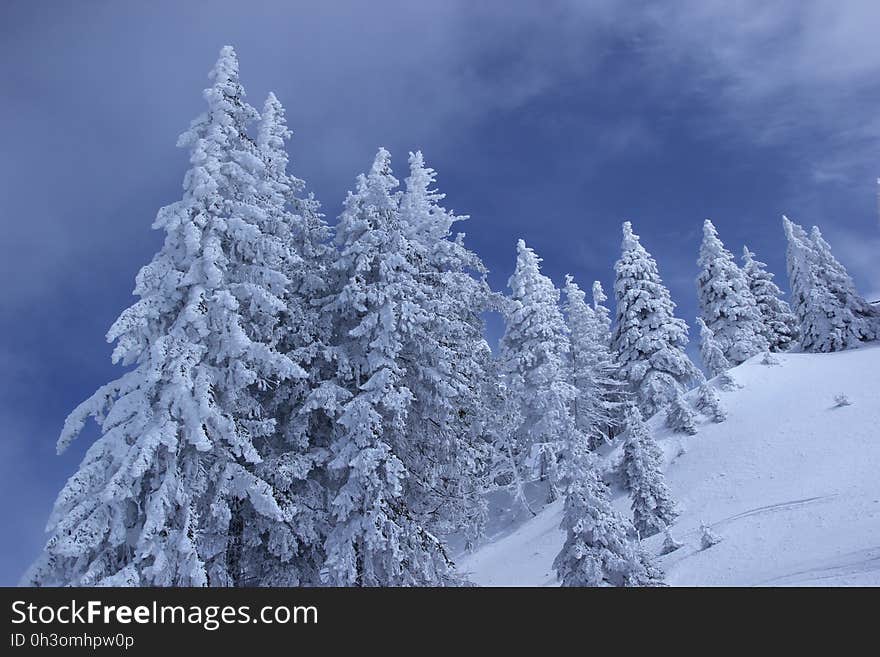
[790, 482]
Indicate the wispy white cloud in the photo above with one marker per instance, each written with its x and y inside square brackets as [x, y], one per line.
[774, 70]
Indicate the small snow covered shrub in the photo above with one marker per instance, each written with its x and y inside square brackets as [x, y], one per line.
[841, 400]
[709, 403]
[669, 543]
[769, 359]
[708, 538]
[680, 417]
[725, 381]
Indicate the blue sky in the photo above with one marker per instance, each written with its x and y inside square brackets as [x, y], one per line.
[550, 121]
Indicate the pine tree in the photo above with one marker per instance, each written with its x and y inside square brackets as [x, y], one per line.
[597, 550]
[374, 539]
[581, 322]
[713, 358]
[726, 302]
[596, 407]
[162, 497]
[831, 314]
[680, 416]
[652, 504]
[780, 325]
[447, 362]
[648, 339]
[709, 403]
[603, 315]
[865, 323]
[535, 351]
[612, 388]
[808, 295]
[501, 417]
[290, 552]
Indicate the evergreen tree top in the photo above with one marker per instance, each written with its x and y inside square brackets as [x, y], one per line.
[793, 231]
[371, 206]
[649, 297]
[599, 296]
[759, 278]
[225, 70]
[573, 292]
[526, 256]
[748, 256]
[712, 250]
[427, 221]
[421, 179]
[226, 93]
[636, 263]
[527, 281]
[631, 241]
[711, 247]
[381, 168]
[273, 131]
[710, 233]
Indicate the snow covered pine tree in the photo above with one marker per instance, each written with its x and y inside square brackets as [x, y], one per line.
[680, 416]
[831, 313]
[866, 318]
[534, 353]
[163, 497]
[709, 403]
[713, 358]
[375, 540]
[290, 552]
[780, 325]
[597, 549]
[613, 390]
[597, 404]
[648, 339]
[501, 418]
[447, 361]
[652, 504]
[727, 305]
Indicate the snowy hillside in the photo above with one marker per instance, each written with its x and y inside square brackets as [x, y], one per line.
[789, 482]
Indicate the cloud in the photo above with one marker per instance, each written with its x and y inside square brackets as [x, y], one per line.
[777, 69]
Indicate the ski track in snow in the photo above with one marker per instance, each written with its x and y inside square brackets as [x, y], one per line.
[770, 508]
[853, 563]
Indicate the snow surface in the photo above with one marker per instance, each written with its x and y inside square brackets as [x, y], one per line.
[790, 482]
